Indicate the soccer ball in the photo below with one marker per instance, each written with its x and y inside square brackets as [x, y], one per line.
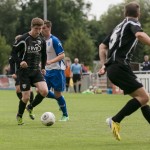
[48, 118]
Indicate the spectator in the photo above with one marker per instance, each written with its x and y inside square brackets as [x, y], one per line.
[77, 72]
[68, 73]
[84, 68]
[146, 63]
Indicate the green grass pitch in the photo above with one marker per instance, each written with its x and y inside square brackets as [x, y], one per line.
[86, 129]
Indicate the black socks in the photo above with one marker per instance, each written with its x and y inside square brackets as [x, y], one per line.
[21, 109]
[131, 106]
[38, 99]
[146, 112]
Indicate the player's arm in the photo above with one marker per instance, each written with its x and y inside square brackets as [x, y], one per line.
[56, 59]
[58, 50]
[143, 37]
[102, 55]
[17, 46]
[12, 68]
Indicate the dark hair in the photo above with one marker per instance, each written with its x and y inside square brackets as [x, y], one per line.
[132, 9]
[48, 23]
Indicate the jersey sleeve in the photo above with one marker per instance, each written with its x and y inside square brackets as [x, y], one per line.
[57, 46]
[18, 46]
[135, 27]
[106, 40]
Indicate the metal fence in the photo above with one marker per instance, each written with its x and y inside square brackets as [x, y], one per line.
[144, 78]
[6, 82]
[90, 79]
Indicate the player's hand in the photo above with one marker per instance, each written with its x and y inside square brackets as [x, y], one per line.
[102, 71]
[14, 76]
[48, 62]
[43, 71]
[23, 64]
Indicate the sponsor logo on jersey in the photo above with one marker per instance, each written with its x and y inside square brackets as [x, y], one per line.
[24, 86]
[34, 48]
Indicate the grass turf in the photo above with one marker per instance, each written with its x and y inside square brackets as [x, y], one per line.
[86, 129]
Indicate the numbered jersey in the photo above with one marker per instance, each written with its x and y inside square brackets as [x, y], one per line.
[122, 41]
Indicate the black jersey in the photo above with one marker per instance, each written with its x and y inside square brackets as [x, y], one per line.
[122, 41]
[31, 50]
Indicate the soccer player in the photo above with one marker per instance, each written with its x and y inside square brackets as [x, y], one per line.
[118, 47]
[28, 52]
[55, 77]
[76, 69]
[13, 72]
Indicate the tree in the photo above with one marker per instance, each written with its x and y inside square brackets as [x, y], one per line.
[9, 17]
[97, 33]
[4, 53]
[80, 45]
[115, 14]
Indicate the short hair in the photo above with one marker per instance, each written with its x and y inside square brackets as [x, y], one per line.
[48, 23]
[37, 22]
[132, 9]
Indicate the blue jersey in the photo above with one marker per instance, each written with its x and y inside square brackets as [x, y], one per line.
[53, 49]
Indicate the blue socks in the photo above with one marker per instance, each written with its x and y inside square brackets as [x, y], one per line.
[50, 95]
[61, 102]
[62, 105]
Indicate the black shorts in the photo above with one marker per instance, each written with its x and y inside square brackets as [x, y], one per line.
[76, 77]
[123, 77]
[17, 81]
[28, 77]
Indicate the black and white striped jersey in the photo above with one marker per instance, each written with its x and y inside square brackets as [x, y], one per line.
[121, 41]
[29, 49]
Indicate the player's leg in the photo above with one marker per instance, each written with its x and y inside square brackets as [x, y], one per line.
[143, 97]
[22, 106]
[17, 86]
[48, 78]
[42, 93]
[38, 81]
[131, 86]
[31, 95]
[25, 88]
[62, 104]
[58, 82]
[18, 92]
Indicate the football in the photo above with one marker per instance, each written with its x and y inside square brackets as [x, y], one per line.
[48, 118]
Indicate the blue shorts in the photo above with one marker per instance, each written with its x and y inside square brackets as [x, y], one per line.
[55, 79]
